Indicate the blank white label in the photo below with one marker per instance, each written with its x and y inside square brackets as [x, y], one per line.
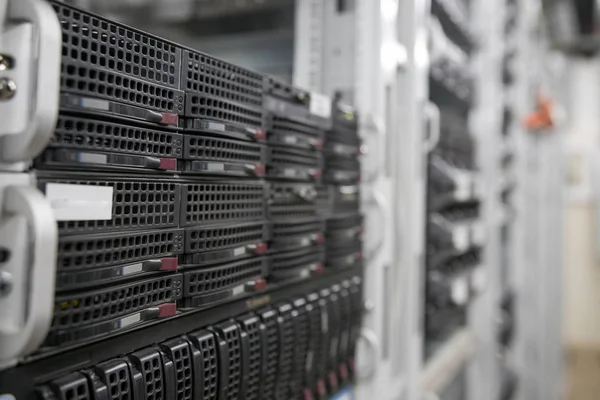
[132, 319]
[80, 202]
[95, 103]
[320, 105]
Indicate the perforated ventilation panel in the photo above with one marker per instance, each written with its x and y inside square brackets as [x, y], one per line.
[73, 386]
[289, 132]
[344, 222]
[103, 59]
[286, 230]
[223, 150]
[96, 41]
[115, 374]
[219, 238]
[297, 259]
[333, 317]
[179, 351]
[343, 254]
[95, 251]
[221, 91]
[149, 363]
[300, 319]
[269, 318]
[223, 202]
[253, 327]
[100, 135]
[292, 200]
[356, 313]
[343, 136]
[230, 333]
[345, 199]
[324, 200]
[209, 280]
[280, 156]
[345, 324]
[316, 338]
[334, 163]
[136, 205]
[286, 355]
[205, 342]
[323, 355]
[77, 309]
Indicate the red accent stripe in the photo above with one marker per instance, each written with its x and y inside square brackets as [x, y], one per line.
[332, 379]
[169, 119]
[351, 364]
[168, 264]
[167, 310]
[307, 394]
[169, 164]
[260, 284]
[321, 391]
[261, 248]
[319, 269]
[260, 134]
[259, 170]
[343, 369]
[319, 238]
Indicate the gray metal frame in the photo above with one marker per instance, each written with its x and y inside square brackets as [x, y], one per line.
[29, 34]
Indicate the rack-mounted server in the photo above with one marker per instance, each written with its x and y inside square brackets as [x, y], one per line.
[180, 183]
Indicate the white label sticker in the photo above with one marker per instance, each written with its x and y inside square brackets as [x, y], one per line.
[132, 319]
[320, 105]
[239, 251]
[95, 103]
[132, 269]
[238, 290]
[459, 290]
[290, 139]
[80, 202]
[216, 126]
[215, 167]
[305, 273]
[93, 158]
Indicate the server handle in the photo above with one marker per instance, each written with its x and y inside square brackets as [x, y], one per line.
[28, 273]
[30, 47]
[432, 113]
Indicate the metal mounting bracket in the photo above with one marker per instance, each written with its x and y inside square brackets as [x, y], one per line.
[30, 57]
[28, 241]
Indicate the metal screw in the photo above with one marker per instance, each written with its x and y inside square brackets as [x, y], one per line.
[6, 283]
[5, 63]
[8, 88]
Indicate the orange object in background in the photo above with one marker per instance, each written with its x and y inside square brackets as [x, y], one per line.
[541, 118]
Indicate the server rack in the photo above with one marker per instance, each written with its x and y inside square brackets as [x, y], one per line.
[338, 52]
[181, 191]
